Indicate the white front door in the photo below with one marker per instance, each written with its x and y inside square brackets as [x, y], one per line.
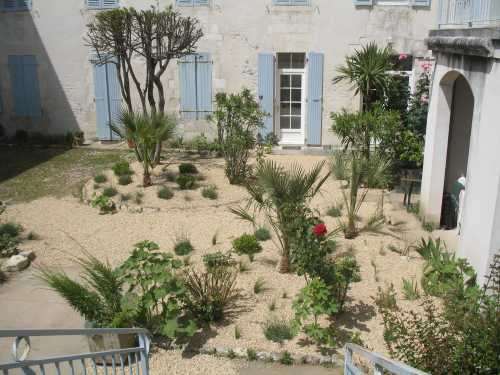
[292, 106]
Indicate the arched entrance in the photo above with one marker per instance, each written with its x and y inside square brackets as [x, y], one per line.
[457, 152]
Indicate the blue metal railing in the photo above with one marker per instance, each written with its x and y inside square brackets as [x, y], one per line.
[131, 360]
[380, 363]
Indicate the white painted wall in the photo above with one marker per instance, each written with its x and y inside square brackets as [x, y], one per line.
[235, 32]
[480, 236]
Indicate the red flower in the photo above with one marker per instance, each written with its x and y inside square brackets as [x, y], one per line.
[319, 229]
[402, 56]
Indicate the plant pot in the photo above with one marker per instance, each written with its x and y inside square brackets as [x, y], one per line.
[131, 143]
[107, 341]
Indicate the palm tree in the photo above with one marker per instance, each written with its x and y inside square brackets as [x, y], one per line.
[366, 70]
[281, 196]
[145, 132]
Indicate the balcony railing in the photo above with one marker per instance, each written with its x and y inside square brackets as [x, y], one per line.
[469, 13]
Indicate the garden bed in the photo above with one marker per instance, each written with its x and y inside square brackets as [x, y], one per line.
[72, 225]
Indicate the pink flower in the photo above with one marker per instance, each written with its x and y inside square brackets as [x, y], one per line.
[319, 229]
[402, 56]
[426, 66]
[424, 98]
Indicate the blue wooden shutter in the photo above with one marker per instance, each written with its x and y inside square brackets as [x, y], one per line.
[203, 85]
[110, 4]
[421, 3]
[185, 2]
[187, 78]
[101, 101]
[266, 90]
[363, 2]
[315, 101]
[281, 2]
[24, 83]
[200, 2]
[114, 97]
[94, 4]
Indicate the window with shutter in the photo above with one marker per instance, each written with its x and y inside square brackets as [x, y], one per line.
[102, 4]
[24, 85]
[414, 3]
[195, 76]
[15, 5]
[192, 3]
[291, 2]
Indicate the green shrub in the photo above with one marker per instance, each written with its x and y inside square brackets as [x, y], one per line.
[170, 176]
[429, 226]
[8, 246]
[100, 178]
[278, 330]
[243, 266]
[339, 165]
[183, 246]
[386, 298]
[259, 286]
[410, 290]
[237, 333]
[210, 295]
[251, 354]
[286, 358]
[247, 244]
[186, 182]
[165, 192]
[262, 234]
[10, 229]
[32, 236]
[217, 260]
[122, 168]
[104, 203]
[153, 276]
[109, 192]
[272, 305]
[187, 168]
[138, 196]
[210, 192]
[335, 211]
[125, 179]
[125, 197]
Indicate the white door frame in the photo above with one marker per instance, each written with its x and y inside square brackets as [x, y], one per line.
[292, 136]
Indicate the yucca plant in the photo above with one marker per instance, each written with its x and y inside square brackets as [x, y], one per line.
[99, 298]
[146, 133]
[281, 195]
[366, 70]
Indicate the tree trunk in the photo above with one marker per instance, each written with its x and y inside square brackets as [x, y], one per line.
[146, 179]
[284, 265]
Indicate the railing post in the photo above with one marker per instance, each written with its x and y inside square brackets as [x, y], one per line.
[144, 345]
[348, 359]
[378, 370]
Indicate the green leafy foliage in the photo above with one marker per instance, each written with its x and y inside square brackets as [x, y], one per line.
[186, 182]
[339, 165]
[278, 329]
[410, 290]
[218, 260]
[247, 244]
[238, 117]
[262, 234]
[105, 204]
[122, 168]
[100, 178]
[152, 275]
[9, 239]
[335, 210]
[286, 358]
[251, 354]
[210, 192]
[386, 298]
[125, 179]
[259, 286]
[187, 168]
[10, 229]
[183, 246]
[109, 192]
[211, 294]
[164, 192]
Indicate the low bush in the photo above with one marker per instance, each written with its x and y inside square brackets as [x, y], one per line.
[210, 295]
[187, 168]
[165, 192]
[104, 203]
[138, 197]
[8, 246]
[247, 244]
[122, 168]
[10, 229]
[286, 358]
[183, 246]
[262, 234]
[251, 354]
[410, 290]
[210, 192]
[100, 178]
[278, 330]
[170, 176]
[386, 298]
[259, 286]
[218, 259]
[335, 210]
[109, 192]
[125, 179]
[186, 182]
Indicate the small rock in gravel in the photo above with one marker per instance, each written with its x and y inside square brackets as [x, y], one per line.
[207, 350]
[223, 352]
[16, 263]
[325, 359]
[263, 356]
[310, 359]
[240, 352]
[275, 357]
[30, 254]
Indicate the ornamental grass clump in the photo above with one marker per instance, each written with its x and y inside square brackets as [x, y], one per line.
[100, 178]
[278, 329]
[122, 168]
[109, 192]
[183, 246]
[187, 168]
[9, 239]
[210, 192]
[186, 182]
[125, 180]
[164, 192]
[281, 195]
[262, 234]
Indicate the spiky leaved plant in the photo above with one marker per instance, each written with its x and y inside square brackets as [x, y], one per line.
[145, 132]
[281, 195]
